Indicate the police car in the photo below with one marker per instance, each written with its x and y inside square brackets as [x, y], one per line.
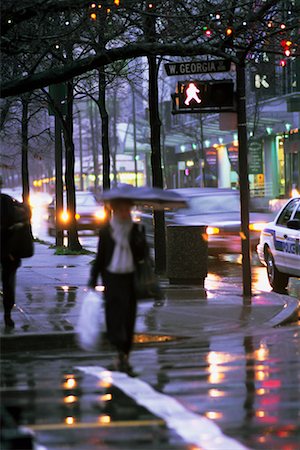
[279, 246]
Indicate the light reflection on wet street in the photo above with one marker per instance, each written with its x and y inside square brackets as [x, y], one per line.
[229, 267]
[247, 384]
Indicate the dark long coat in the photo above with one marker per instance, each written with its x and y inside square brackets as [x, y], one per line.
[119, 289]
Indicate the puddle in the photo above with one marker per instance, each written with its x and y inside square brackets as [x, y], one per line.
[66, 288]
[152, 338]
[65, 266]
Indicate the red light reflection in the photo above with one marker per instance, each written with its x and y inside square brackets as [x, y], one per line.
[272, 384]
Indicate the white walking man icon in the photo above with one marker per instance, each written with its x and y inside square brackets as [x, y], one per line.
[192, 94]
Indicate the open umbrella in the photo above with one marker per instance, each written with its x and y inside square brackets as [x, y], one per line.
[153, 197]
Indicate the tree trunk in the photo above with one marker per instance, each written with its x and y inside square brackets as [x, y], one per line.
[73, 242]
[134, 135]
[155, 125]
[24, 132]
[80, 151]
[157, 177]
[115, 139]
[94, 147]
[59, 187]
[104, 119]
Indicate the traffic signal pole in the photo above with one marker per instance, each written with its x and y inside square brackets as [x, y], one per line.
[197, 96]
[243, 178]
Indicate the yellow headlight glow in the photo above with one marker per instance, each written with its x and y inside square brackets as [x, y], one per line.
[100, 214]
[65, 216]
[212, 230]
[259, 226]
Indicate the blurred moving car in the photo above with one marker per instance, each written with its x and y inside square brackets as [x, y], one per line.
[219, 210]
[36, 198]
[15, 192]
[89, 213]
[39, 199]
[279, 245]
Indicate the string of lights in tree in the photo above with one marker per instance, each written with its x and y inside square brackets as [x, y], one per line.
[214, 26]
[95, 7]
[288, 47]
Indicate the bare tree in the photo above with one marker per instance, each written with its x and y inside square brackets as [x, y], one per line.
[234, 27]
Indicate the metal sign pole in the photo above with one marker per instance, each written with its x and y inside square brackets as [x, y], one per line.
[243, 178]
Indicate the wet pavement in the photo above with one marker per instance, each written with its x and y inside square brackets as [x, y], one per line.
[217, 356]
[50, 289]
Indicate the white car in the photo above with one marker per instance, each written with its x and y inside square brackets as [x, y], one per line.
[279, 246]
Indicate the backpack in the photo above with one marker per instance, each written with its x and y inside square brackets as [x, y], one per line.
[20, 241]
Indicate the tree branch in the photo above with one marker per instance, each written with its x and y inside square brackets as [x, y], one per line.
[75, 68]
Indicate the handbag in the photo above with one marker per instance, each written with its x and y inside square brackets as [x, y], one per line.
[146, 282]
[21, 243]
[88, 329]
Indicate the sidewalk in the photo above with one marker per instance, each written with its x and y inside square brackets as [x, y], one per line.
[50, 289]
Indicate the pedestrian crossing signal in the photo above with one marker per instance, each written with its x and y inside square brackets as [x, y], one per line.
[203, 96]
[191, 93]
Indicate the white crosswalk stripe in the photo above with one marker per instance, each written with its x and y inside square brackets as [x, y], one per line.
[191, 427]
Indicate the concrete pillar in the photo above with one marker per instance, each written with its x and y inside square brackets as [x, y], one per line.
[271, 166]
[224, 168]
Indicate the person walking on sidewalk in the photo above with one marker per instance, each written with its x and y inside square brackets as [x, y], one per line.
[122, 245]
[13, 216]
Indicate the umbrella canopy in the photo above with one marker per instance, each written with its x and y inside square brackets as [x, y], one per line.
[153, 197]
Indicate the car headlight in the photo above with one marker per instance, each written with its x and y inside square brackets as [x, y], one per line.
[212, 230]
[100, 214]
[258, 226]
[135, 216]
[65, 216]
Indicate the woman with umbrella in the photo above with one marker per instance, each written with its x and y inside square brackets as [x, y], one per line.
[122, 249]
[122, 245]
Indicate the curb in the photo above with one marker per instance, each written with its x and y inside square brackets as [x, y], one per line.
[38, 341]
[10, 343]
[289, 313]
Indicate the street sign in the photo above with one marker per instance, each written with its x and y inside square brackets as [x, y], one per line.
[196, 67]
[261, 81]
[58, 93]
[194, 96]
[255, 157]
[233, 155]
